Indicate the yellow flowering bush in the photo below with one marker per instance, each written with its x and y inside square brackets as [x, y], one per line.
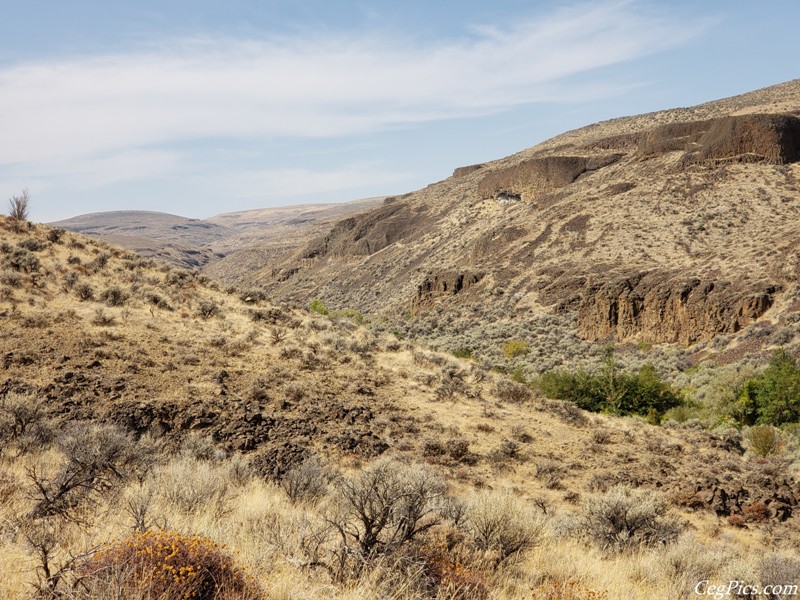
[169, 566]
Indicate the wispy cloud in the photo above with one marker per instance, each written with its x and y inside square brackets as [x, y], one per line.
[307, 86]
[81, 123]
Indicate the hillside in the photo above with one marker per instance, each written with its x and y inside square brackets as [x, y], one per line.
[200, 405]
[678, 226]
[195, 243]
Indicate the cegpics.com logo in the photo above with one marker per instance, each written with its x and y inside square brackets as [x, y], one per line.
[738, 589]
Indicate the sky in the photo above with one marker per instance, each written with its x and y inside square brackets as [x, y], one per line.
[204, 107]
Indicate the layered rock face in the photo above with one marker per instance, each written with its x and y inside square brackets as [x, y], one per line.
[659, 307]
[771, 138]
[448, 283]
[536, 176]
[367, 233]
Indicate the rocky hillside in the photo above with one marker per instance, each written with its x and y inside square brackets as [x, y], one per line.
[675, 226]
[238, 394]
[104, 335]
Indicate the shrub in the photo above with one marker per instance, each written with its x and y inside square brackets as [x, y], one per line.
[612, 391]
[772, 398]
[102, 319]
[503, 524]
[193, 486]
[167, 565]
[764, 440]
[18, 206]
[208, 309]
[511, 391]
[385, 505]
[515, 348]
[10, 278]
[318, 307]
[22, 259]
[23, 422]
[463, 352]
[622, 519]
[157, 300]
[84, 291]
[114, 296]
[93, 458]
[306, 482]
[351, 314]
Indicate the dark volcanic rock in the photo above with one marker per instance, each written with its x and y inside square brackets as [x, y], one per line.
[745, 138]
[533, 177]
[448, 283]
[368, 232]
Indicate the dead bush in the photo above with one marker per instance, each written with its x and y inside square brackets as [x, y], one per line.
[94, 460]
[18, 206]
[382, 507]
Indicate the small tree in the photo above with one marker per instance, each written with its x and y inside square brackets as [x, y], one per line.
[18, 206]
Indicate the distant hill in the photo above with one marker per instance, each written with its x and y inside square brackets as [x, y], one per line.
[194, 243]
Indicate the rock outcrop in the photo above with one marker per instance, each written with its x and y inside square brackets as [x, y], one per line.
[773, 138]
[536, 176]
[448, 283]
[368, 232]
[758, 498]
[659, 307]
[464, 171]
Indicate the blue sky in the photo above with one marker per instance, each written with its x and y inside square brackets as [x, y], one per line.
[203, 107]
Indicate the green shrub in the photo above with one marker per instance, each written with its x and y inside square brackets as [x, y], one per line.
[351, 314]
[463, 352]
[318, 307]
[764, 440]
[772, 398]
[610, 390]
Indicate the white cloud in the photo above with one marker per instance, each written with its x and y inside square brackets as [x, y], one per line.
[85, 108]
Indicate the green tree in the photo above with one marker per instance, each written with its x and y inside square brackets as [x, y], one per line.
[772, 398]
